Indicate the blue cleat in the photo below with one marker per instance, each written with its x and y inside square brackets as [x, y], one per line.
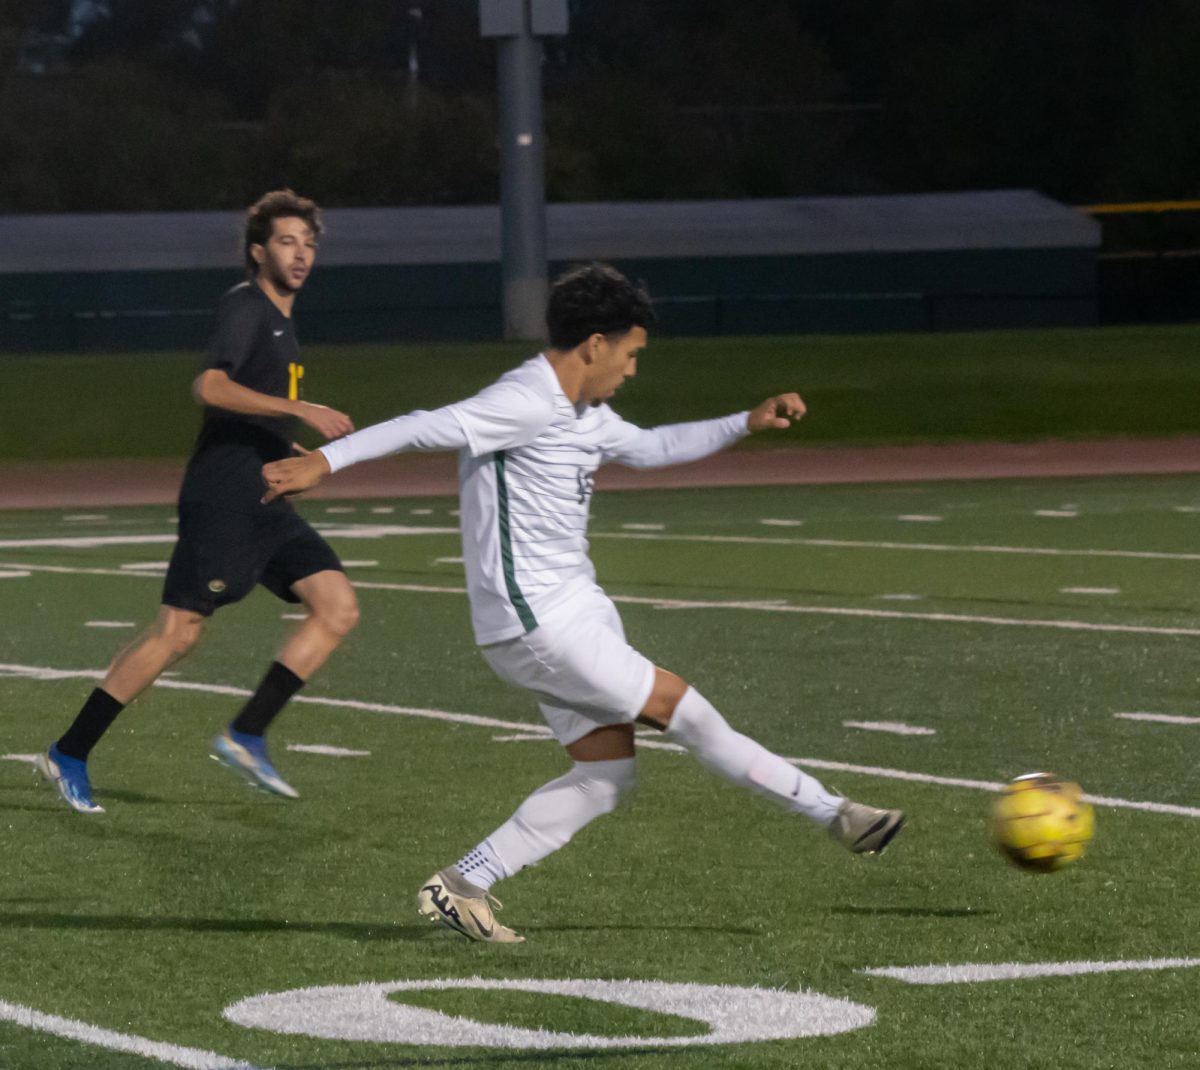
[247, 756]
[69, 776]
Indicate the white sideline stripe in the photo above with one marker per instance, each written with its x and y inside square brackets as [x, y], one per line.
[138, 566]
[779, 522]
[921, 518]
[41, 673]
[765, 606]
[1056, 512]
[933, 547]
[86, 516]
[644, 527]
[328, 750]
[72, 1029]
[1016, 971]
[901, 597]
[378, 531]
[1160, 718]
[109, 624]
[86, 542]
[896, 728]
[1089, 590]
[15, 574]
[360, 564]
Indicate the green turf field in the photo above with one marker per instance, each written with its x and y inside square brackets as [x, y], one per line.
[1011, 620]
[1102, 382]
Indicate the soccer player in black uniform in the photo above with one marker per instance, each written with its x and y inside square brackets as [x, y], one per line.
[229, 541]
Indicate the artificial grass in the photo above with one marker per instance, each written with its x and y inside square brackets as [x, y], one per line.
[1068, 383]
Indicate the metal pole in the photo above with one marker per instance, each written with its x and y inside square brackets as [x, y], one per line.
[522, 184]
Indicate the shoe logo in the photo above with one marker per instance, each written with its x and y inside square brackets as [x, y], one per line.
[873, 829]
[442, 901]
[484, 930]
[216, 586]
[277, 334]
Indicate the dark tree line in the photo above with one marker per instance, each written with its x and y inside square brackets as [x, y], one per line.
[174, 104]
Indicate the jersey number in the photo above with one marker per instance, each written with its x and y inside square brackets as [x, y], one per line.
[587, 483]
[295, 374]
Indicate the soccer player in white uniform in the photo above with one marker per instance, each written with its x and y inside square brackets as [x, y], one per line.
[528, 447]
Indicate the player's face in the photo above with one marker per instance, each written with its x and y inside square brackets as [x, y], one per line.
[614, 359]
[288, 256]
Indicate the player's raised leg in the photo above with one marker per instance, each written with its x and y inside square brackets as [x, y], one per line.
[332, 615]
[136, 667]
[688, 718]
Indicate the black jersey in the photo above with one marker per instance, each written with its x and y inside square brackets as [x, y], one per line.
[255, 345]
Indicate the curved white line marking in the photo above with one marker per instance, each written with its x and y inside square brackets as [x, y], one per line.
[364, 1012]
[71, 1029]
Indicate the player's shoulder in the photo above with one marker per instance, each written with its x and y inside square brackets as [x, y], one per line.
[536, 382]
[244, 301]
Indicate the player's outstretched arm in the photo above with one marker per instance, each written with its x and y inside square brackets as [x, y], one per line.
[668, 444]
[777, 413]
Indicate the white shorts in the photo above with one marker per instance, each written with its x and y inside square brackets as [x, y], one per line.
[578, 664]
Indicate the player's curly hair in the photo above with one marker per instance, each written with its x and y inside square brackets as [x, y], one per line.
[261, 216]
[595, 299]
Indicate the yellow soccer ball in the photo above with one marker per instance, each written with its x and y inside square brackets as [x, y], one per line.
[1041, 822]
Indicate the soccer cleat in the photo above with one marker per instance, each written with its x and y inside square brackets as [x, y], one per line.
[449, 899]
[69, 776]
[247, 756]
[863, 829]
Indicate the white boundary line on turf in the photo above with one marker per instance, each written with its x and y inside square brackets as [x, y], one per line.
[528, 731]
[379, 531]
[932, 547]
[768, 606]
[72, 1029]
[1017, 971]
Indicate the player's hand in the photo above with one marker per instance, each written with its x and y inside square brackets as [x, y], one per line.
[776, 413]
[329, 422]
[293, 475]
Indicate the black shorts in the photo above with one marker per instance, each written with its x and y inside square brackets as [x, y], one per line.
[221, 556]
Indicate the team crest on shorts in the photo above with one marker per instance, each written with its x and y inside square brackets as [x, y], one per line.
[216, 586]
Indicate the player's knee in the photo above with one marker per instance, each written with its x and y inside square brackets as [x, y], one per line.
[664, 698]
[340, 615]
[606, 783]
[180, 634]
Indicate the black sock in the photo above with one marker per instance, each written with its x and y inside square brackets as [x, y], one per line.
[279, 685]
[99, 711]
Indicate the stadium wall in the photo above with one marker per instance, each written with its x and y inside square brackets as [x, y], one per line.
[822, 265]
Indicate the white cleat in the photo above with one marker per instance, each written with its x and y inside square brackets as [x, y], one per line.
[449, 899]
[864, 829]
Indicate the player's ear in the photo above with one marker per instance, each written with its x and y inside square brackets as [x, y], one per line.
[591, 347]
[258, 253]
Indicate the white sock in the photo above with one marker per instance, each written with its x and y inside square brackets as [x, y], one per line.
[698, 726]
[548, 819]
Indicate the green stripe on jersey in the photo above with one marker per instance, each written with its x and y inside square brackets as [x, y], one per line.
[506, 558]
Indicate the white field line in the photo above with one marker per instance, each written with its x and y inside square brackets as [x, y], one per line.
[930, 547]
[1158, 718]
[1016, 971]
[526, 729]
[896, 728]
[72, 1029]
[328, 750]
[768, 606]
[379, 531]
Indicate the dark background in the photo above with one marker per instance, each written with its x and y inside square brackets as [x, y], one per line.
[202, 104]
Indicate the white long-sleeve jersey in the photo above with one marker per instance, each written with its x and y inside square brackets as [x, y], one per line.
[526, 464]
